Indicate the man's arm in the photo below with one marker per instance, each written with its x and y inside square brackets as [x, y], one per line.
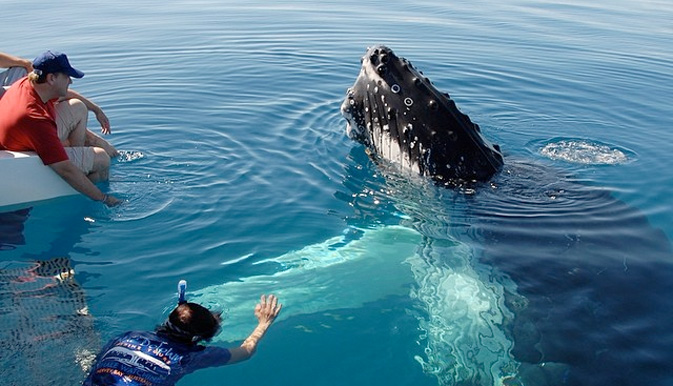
[73, 176]
[7, 60]
[100, 115]
[266, 312]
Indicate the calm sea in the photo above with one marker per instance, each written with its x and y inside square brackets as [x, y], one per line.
[238, 177]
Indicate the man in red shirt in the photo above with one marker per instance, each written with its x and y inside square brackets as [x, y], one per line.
[29, 112]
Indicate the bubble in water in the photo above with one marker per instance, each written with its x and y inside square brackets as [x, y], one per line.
[129, 155]
[584, 152]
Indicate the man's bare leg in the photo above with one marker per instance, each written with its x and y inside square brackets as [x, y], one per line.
[101, 166]
[95, 140]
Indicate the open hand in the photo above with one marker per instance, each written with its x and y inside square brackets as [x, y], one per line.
[267, 309]
[104, 122]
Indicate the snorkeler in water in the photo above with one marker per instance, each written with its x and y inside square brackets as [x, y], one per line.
[163, 356]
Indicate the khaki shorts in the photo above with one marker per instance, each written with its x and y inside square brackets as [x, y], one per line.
[65, 120]
[82, 157]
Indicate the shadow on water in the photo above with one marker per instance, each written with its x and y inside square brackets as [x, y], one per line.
[575, 280]
[11, 228]
[596, 276]
[50, 228]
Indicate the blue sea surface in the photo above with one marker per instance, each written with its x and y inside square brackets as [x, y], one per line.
[235, 158]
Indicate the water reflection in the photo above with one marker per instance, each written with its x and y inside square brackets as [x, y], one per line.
[46, 333]
[11, 228]
[48, 229]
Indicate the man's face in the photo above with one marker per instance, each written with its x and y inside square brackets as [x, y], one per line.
[61, 82]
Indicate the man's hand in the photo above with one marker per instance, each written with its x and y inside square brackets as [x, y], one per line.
[28, 65]
[267, 309]
[111, 201]
[103, 120]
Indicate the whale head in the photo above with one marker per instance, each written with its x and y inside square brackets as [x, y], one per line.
[399, 115]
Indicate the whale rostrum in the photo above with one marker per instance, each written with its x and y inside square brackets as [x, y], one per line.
[399, 115]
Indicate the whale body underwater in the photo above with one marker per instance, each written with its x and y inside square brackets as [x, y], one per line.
[590, 253]
[519, 274]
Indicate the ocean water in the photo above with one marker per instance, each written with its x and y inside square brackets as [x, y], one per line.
[237, 176]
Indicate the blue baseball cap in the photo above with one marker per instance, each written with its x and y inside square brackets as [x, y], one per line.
[51, 62]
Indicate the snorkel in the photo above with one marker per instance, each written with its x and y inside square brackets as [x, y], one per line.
[189, 322]
[182, 289]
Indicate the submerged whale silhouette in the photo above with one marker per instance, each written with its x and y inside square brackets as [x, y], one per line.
[589, 272]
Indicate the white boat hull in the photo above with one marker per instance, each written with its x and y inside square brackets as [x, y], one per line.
[24, 178]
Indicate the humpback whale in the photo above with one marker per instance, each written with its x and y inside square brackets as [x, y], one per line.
[533, 279]
[582, 274]
[399, 115]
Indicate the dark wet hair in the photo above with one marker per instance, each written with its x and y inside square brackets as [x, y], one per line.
[191, 323]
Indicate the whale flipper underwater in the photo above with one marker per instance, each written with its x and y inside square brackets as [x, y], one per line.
[590, 273]
[465, 311]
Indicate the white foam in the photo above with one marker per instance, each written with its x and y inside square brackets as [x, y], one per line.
[584, 152]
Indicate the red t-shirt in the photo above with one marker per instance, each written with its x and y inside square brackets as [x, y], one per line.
[27, 123]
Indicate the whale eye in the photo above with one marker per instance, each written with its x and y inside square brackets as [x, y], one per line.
[395, 88]
[408, 102]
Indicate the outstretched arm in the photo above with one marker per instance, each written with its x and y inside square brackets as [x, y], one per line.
[7, 60]
[266, 312]
[73, 176]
